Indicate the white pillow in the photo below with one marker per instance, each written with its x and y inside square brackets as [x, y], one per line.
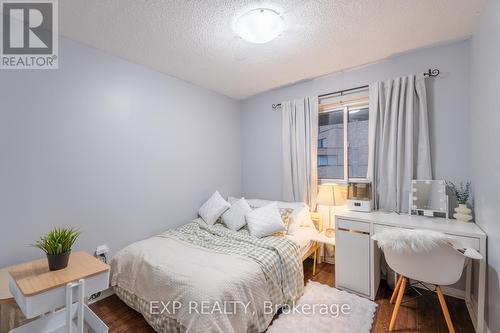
[255, 203]
[299, 218]
[232, 200]
[234, 217]
[302, 218]
[213, 208]
[264, 221]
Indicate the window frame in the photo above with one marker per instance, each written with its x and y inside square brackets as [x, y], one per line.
[358, 103]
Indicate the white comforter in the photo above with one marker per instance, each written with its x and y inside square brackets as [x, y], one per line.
[163, 269]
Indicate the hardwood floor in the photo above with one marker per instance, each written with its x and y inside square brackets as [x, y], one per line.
[419, 315]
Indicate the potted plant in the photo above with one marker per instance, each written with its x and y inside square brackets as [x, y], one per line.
[57, 246]
[462, 193]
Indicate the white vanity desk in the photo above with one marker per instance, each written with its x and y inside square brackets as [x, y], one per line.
[357, 262]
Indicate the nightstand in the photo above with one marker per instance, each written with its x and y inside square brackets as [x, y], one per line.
[321, 239]
[39, 291]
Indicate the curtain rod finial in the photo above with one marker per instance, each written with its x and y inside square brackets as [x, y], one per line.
[432, 72]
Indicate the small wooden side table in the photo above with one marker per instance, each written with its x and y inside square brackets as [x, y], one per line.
[39, 291]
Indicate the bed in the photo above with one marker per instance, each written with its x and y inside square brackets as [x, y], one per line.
[302, 238]
[199, 264]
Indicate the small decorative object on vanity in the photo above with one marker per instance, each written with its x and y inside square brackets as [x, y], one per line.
[57, 246]
[462, 193]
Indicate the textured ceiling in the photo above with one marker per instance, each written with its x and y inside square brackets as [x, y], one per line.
[194, 40]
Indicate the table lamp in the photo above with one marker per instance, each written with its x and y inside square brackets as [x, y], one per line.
[326, 197]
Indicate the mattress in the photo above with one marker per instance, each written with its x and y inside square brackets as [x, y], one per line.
[302, 237]
[200, 263]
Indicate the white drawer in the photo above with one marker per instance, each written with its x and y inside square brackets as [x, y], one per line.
[380, 227]
[468, 242]
[350, 225]
[36, 305]
[352, 261]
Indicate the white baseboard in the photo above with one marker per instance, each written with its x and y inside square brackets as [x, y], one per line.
[105, 293]
[329, 260]
[453, 292]
[448, 291]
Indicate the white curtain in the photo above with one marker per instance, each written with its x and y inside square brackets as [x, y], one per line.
[300, 141]
[399, 148]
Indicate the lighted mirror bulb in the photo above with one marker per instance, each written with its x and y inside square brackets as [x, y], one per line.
[259, 25]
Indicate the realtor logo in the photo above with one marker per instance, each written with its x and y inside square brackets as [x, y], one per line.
[29, 34]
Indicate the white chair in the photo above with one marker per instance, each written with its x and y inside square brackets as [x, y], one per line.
[425, 256]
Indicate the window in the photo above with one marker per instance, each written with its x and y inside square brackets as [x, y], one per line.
[322, 160]
[325, 160]
[343, 141]
[321, 143]
[331, 136]
[357, 138]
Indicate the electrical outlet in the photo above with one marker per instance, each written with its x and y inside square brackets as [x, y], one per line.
[101, 250]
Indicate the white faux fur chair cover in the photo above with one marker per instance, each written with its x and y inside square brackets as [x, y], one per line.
[415, 241]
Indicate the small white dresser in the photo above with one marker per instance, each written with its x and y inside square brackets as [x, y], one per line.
[357, 262]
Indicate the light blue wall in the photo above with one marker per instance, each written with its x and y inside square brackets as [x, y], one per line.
[110, 147]
[448, 106]
[485, 129]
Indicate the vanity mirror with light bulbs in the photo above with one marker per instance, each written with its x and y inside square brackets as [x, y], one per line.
[428, 198]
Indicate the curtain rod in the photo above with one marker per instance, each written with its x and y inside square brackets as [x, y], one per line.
[430, 73]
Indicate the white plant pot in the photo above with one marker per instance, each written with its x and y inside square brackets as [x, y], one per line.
[462, 213]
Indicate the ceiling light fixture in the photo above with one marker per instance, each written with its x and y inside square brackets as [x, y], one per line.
[259, 25]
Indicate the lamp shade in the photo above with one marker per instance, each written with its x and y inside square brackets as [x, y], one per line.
[326, 195]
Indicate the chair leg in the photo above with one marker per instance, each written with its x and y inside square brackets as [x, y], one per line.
[447, 317]
[396, 289]
[401, 292]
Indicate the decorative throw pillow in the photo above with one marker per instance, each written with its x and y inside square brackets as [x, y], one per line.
[232, 200]
[213, 208]
[286, 214]
[234, 217]
[264, 221]
[302, 217]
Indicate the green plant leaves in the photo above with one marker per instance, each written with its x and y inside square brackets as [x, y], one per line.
[462, 192]
[58, 240]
